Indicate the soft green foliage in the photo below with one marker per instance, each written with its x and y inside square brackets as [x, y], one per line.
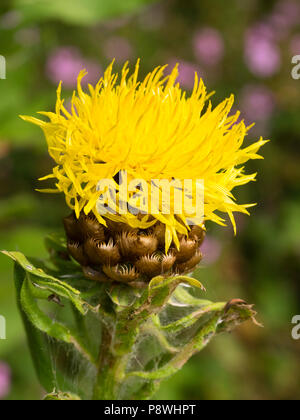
[76, 11]
[112, 342]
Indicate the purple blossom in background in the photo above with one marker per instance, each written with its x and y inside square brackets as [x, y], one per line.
[257, 103]
[5, 380]
[261, 30]
[65, 64]
[187, 71]
[208, 46]
[262, 54]
[286, 14]
[118, 48]
[295, 45]
[211, 250]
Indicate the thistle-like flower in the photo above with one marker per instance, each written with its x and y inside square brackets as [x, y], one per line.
[153, 131]
[151, 134]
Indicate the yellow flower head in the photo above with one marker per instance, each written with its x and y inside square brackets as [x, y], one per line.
[151, 130]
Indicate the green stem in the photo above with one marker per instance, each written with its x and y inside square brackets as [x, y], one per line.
[111, 368]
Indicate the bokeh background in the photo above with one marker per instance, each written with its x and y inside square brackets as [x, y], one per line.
[243, 47]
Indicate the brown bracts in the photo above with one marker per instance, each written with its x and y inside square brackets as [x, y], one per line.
[127, 255]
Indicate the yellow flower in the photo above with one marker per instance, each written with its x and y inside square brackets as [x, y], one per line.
[151, 130]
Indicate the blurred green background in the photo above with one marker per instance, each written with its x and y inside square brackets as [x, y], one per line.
[241, 47]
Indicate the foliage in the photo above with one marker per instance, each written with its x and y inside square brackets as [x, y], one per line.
[124, 341]
[76, 11]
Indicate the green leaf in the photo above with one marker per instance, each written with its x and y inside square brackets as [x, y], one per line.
[156, 296]
[190, 319]
[123, 296]
[37, 284]
[46, 282]
[61, 396]
[62, 291]
[45, 324]
[38, 272]
[37, 317]
[76, 11]
[37, 341]
[221, 316]
[161, 281]
[183, 297]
